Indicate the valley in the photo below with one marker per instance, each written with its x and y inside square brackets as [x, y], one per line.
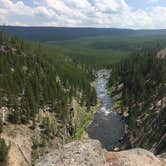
[55, 89]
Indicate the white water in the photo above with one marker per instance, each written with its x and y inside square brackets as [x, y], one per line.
[108, 126]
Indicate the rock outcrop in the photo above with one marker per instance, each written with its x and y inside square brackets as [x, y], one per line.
[134, 157]
[90, 153]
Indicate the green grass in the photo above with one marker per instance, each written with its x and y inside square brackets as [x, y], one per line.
[85, 120]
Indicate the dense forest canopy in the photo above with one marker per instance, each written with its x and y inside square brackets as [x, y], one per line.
[34, 76]
[93, 47]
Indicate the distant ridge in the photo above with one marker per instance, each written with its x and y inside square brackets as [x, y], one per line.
[44, 34]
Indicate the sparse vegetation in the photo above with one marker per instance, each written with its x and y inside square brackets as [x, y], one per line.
[3, 152]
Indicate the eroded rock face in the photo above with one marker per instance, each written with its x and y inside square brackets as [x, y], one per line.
[90, 153]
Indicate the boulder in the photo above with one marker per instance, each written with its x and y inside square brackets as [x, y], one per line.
[133, 157]
[79, 153]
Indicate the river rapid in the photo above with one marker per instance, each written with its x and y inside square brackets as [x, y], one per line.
[108, 125]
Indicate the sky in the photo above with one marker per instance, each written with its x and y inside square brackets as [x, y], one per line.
[134, 14]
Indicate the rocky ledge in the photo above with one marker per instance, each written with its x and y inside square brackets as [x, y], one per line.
[90, 153]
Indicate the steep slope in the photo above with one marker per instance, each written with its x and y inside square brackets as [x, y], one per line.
[138, 86]
[38, 85]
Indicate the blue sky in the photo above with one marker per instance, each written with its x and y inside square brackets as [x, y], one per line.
[26, 2]
[134, 3]
[135, 14]
[143, 4]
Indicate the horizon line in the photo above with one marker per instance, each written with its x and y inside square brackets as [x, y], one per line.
[77, 27]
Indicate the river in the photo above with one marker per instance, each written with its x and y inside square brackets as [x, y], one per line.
[108, 125]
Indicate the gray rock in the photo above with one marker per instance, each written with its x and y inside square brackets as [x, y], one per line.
[90, 153]
[78, 153]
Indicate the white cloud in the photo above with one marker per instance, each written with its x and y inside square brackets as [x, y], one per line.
[106, 5]
[43, 12]
[153, 1]
[88, 13]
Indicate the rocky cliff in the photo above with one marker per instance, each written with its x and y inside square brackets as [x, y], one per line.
[90, 153]
[147, 129]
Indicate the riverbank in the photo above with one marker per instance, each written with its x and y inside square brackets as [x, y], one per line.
[116, 93]
[140, 118]
[81, 132]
